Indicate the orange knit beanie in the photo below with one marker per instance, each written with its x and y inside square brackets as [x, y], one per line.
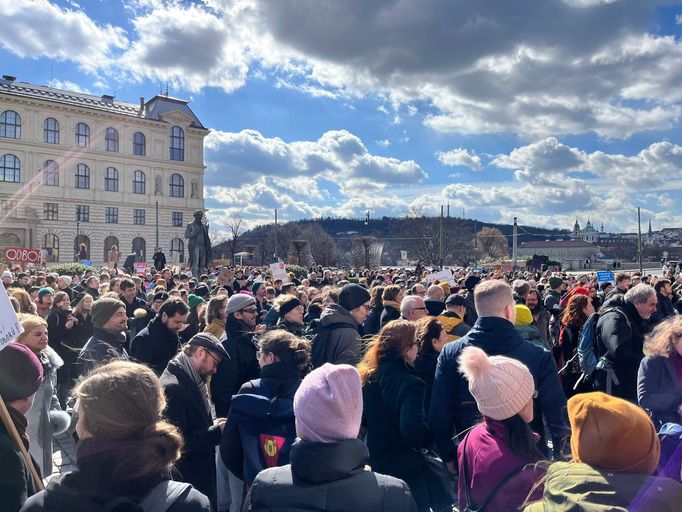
[613, 434]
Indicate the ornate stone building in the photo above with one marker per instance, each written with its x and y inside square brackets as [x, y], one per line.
[76, 168]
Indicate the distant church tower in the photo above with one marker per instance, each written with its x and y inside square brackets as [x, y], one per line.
[576, 228]
[650, 233]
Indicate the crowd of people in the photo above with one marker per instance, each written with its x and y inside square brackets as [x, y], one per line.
[344, 390]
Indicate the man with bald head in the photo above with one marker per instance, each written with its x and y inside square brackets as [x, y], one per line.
[453, 408]
[435, 300]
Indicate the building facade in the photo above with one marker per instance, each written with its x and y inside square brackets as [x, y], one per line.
[77, 168]
[572, 254]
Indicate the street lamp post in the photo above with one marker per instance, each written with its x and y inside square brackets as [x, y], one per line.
[78, 238]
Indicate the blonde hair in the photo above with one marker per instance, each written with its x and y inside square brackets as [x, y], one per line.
[28, 323]
[491, 297]
[661, 341]
[123, 401]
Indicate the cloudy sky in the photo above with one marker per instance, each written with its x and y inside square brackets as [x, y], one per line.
[546, 110]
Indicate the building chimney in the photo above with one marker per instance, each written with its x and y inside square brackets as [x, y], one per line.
[9, 78]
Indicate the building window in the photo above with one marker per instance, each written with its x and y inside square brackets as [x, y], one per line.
[140, 248]
[10, 169]
[178, 247]
[8, 208]
[82, 176]
[10, 125]
[139, 144]
[51, 211]
[139, 182]
[111, 179]
[51, 131]
[176, 219]
[50, 172]
[109, 242]
[138, 216]
[177, 143]
[82, 135]
[51, 247]
[111, 140]
[111, 215]
[83, 213]
[177, 186]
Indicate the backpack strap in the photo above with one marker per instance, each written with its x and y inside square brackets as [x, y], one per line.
[496, 489]
[163, 495]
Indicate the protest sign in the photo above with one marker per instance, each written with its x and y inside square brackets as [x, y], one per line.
[279, 272]
[141, 268]
[606, 277]
[444, 276]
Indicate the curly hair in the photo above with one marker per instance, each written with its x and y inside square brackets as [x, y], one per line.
[661, 341]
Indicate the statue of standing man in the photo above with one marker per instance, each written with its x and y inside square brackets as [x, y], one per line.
[199, 244]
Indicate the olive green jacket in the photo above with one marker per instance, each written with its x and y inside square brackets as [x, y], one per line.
[575, 487]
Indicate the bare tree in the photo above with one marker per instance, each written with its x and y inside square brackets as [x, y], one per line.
[366, 252]
[492, 244]
[235, 231]
[322, 246]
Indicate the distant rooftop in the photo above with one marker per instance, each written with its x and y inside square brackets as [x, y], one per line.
[155, 107]
[555, 244]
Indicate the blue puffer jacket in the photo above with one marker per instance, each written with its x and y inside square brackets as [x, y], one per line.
[453, 408]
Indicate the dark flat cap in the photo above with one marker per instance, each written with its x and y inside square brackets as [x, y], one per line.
[209, 342]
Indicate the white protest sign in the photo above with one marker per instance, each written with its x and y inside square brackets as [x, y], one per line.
[10, 327]
[279, 272]
[442, 276]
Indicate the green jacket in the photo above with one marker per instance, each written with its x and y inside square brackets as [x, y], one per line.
[575, 487]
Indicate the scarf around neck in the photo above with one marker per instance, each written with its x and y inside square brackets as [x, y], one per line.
[186, 364]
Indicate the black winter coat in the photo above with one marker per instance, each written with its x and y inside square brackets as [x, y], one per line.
[59, 334]
[155, 346]
[389, 314]
[16, 481]
[185, 409]
[94, 489]
[659, 390]
[425, 365]
[434, 307]
[102, 347]
[343, 345]
[453, 408]
[240, 368]
[393, 405]
[372, 323]
[620, 337]
[328, 477]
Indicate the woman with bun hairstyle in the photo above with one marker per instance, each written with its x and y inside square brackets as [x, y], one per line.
[126, 450]
[497, 459]
[615, 451]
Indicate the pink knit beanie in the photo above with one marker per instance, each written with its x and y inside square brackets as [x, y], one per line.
[328, 404]
[501, 386]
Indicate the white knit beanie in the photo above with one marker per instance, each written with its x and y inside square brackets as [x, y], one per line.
[501, 386]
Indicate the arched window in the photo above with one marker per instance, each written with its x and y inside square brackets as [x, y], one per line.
[81, 239]
[50, 173]
[178, 247]
[51, 247]
[10, 125]
[139, 182]
[177, 186]
[139, 144]
[82, 135]
[140, 248]
[111, 179]
[82, 176]
[177, 143]
[109, 242]
[111, 140]
[51, 131]
[9, 240]
[10, 169]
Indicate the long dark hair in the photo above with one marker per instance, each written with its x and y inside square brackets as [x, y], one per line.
[522, 440]
[428, 329]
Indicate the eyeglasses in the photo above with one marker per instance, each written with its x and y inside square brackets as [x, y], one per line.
[252, 311]
[368, 308]
[416, 309]
[217, 361]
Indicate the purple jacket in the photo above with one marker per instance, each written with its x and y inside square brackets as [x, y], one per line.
[490, 459]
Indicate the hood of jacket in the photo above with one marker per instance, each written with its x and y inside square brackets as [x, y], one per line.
[49, 356]
[335, 315]
[575, 487]
[328, 462]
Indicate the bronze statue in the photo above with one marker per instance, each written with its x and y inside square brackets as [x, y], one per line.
[199, 245]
